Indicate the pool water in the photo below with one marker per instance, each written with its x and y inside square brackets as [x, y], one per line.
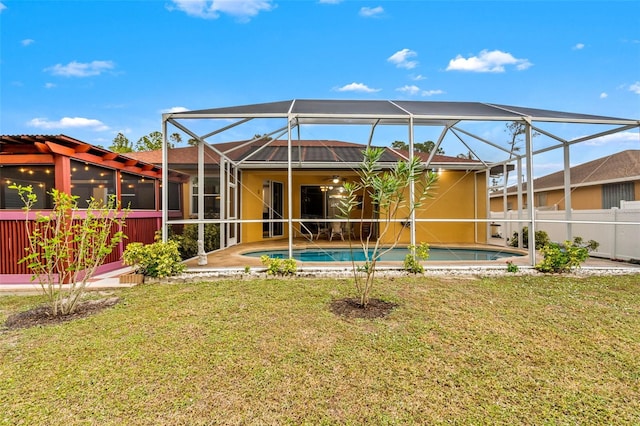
[397, 254]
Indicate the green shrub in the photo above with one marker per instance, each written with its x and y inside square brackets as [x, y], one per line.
[542, 239]
[566, 256]
[411, 262]
[156, 260]
[188, 239]
[277, 266]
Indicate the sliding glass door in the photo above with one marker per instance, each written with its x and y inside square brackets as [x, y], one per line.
[272, 208]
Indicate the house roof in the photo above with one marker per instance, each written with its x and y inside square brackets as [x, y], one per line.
[622, 166]
[338, 154]
[326, 111]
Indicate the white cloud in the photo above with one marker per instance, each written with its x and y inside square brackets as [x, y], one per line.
[174, 109]
[68, 123]
[27, 42]
[432, 92]
[415, 90]
[49, 85]
[615, 139]
[578, 46]
[80, 69]
[2, 7]
[418, 77]
[370, 12]
[244, 10]
[409, 90]
[401, 59]
[487, 61]
[635, 87]
[604, 95]
[357, 87]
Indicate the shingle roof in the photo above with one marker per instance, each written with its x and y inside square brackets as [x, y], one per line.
[622, 166]
[308, 151]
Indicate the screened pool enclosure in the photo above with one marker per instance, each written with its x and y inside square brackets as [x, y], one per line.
[227, 157]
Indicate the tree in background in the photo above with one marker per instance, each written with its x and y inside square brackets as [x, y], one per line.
[516, 131]
[121, 144]
[153, 141]
[426, 146]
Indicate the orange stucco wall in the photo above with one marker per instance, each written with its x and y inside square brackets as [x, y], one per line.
[582, 198]
[453, 197]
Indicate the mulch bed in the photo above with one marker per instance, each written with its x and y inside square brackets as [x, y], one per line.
[351, 308]
[42, 315]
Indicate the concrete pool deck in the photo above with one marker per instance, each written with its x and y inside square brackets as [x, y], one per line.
[233, 258]
[231, 263]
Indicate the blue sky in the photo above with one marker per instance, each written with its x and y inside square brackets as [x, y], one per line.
[91, 69]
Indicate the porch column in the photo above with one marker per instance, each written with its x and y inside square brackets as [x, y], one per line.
[505, 205]
[412, 230]
[530, 204]
[165, 182]
[519, 227]
[289, 189]
[567, 192]
[202, 255]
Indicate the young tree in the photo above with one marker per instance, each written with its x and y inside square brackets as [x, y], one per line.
[388, 193]
[121, 144]
[66, 247]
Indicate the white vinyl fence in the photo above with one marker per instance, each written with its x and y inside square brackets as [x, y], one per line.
[618, 240]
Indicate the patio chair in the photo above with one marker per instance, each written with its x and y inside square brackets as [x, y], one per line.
[336, 229]
[323, 229]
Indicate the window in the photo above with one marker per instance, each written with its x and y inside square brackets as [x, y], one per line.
[138, 192]
[41, 179]
[211, 197]
[175, 195]
[89, 181]
[272, 208]
[321, 201]
[613, 193]
[541, 199]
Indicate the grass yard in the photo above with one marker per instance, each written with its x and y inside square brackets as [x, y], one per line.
[510, 350]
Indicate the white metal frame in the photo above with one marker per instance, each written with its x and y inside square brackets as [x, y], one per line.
[450, 123]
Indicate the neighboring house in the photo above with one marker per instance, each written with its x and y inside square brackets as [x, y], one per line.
[320, 167]
[78, 168]
[599, 184]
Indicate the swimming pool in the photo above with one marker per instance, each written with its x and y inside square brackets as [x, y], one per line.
[396, 254]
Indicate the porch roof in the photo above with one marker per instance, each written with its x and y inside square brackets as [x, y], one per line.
[325, 111]
[23, 146]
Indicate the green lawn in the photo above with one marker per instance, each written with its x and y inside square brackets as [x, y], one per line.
[512, 350]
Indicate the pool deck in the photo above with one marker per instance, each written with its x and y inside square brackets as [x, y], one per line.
[232, 258]
[228, 262]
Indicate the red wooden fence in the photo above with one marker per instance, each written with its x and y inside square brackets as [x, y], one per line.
[13, 240]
